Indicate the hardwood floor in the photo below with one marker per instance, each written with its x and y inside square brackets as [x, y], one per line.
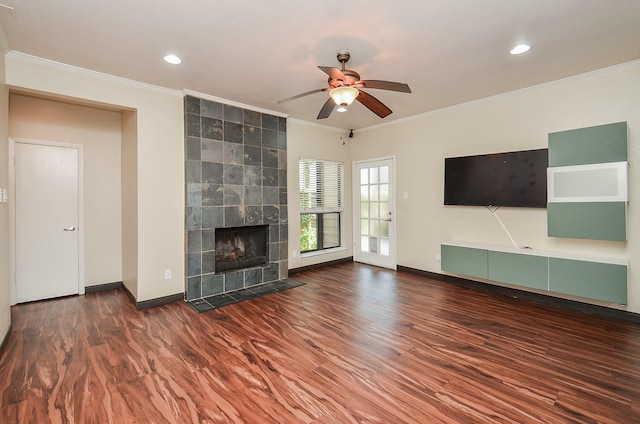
[355, 344]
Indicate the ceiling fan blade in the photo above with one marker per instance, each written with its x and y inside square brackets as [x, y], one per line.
[384, 85]
[373, 104]
[333, 72]
[318, 90]
[327, 108]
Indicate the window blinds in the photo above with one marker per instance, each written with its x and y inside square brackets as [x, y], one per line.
[320, 186]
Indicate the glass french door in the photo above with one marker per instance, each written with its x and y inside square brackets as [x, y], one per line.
[374, 211]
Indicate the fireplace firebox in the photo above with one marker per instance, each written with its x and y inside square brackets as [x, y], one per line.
[241, 247]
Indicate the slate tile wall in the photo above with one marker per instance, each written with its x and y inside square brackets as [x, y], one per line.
[236, 174]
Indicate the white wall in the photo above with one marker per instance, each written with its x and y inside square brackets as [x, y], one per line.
[5, 294]
[316, 142]
[99, 131]
[514, 121]
[159, 167]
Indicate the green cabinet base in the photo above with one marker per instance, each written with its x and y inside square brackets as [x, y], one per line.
[464, 260]
[593, 279]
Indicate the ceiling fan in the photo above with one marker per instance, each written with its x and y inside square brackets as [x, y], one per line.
[345, 86]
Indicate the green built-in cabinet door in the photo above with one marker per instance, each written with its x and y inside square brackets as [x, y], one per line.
[464, 260]
[599, 144]
[588, 220]
[520, 269]
[593, 221]
[594, 280]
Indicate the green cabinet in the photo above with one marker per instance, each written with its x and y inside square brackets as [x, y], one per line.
[522, 270]
[600, 279]
[593, 220]
[464, 260]
[599, 144]
[596, 218]
[595, 280]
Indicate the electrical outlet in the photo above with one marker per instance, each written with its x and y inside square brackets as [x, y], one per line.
[294, 253]
[167, 274]
[438, 257]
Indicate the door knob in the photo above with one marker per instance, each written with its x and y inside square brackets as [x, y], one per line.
[71, 228]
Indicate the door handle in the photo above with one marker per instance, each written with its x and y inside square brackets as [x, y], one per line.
[71, 228]
[387, 220]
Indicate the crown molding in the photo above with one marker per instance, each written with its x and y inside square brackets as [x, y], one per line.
[572, 78]
[24, 57]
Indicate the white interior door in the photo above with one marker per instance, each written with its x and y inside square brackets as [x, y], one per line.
[374, 212]
[47, 217]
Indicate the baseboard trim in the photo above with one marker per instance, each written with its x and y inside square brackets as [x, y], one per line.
[557, 302]
[159, 301]
[320, 265]
[103, 287]
[5, 340]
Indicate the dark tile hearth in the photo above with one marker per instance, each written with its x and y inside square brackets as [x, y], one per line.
[218, 301]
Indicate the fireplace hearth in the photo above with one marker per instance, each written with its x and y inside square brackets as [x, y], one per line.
[240, 247]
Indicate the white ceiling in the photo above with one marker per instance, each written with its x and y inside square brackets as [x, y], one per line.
[257, 52]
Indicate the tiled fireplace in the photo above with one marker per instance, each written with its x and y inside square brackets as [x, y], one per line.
[236, 198]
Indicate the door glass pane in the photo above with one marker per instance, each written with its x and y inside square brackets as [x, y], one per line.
[373, 244]
[384, 174]
[364, 176]
[364, 209]
[364, 226]
[364, 193]
[384, 228]
[373, 190]
[374, 210]
[384, 246]
[384, 210]
[373, 173]
[364, 243]
[384, 192]
[374, 228]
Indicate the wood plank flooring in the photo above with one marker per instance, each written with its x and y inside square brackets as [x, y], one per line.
[355, 344]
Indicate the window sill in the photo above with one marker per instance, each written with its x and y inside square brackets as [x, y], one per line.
[322, 252]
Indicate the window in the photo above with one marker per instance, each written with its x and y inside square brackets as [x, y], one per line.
[320, 204]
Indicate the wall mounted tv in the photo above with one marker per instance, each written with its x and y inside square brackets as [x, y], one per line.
[512, 179]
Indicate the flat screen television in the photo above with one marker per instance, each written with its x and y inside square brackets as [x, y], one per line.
[512, 179]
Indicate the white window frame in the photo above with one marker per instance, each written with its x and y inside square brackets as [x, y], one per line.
[321, 207]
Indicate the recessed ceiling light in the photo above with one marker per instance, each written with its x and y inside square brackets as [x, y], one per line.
[172, 59]
[520, 48]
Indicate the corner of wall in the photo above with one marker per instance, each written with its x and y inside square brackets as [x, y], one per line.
[129, 202]
[5, 298]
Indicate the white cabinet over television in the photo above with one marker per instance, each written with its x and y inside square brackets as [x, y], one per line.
[597, 182]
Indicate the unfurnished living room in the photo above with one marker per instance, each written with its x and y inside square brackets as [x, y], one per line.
[319, 212]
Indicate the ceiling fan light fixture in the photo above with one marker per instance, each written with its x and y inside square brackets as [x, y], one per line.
[343, 96]
[341, 109]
